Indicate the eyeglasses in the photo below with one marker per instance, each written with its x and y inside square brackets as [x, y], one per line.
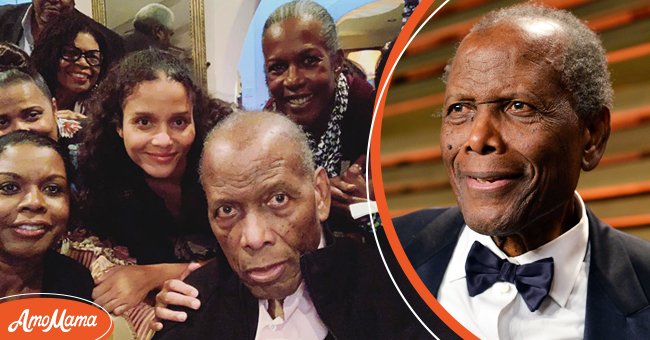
[72, 54]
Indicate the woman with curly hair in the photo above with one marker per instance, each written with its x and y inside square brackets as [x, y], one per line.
[138, 170]
[73, 55]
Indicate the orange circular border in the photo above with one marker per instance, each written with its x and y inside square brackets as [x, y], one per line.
[375, 161]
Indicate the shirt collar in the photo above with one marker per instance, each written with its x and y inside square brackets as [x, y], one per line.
[290, 304]
[568, 252]
[26, 23]
[299, 299]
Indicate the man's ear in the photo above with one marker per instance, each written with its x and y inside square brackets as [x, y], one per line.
[159, 32]
[322, 192]
[595, 136]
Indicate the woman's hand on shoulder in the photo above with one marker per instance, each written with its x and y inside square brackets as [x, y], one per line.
[176, 292]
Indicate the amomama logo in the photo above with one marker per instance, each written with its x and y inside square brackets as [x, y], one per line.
[52, 316]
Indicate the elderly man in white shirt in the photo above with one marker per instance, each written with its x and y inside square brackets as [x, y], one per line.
[282, 275]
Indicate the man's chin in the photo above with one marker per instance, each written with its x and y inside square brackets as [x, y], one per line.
[491, 223]
[277, 291]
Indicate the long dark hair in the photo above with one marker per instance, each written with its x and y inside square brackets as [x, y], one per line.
[62, 32]
[104, 166]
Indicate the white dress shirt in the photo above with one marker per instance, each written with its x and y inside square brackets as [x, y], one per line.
[301, 321]
[26, 41]
[500, 312]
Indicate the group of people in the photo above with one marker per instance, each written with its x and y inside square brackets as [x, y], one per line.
[108, 145]
[522, 256]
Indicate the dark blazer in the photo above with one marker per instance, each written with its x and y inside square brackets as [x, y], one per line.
[346, 281]
[138, 41]
[618, 288]
[10, 16]
[63, 275]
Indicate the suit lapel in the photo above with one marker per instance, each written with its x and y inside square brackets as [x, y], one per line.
[12, 30]
[614, 291]
[431, 249]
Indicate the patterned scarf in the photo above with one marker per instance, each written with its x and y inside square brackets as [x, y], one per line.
[327, 152]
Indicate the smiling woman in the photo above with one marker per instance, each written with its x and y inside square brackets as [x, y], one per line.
[303, 67]
[157, 128]
[138, 167]
[34, 210]
[73, 54]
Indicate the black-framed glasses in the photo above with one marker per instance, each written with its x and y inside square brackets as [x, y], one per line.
[72, 54]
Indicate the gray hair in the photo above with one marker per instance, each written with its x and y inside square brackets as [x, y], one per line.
[583, 65]
[151, 15]
[247, 124]
[307, 9]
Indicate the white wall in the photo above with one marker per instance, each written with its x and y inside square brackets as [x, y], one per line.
[84, 6]
[226, 24]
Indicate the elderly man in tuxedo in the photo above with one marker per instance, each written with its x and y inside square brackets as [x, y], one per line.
[527, 107]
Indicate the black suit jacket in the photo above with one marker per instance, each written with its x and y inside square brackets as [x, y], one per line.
[10, 17]
[618, 287]
[138, 41]
[346, 281]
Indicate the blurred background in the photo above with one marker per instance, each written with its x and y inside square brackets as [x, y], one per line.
[618, 190]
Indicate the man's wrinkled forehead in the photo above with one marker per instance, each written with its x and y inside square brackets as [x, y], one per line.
[538, 40]
[247, 160]
[547, 36]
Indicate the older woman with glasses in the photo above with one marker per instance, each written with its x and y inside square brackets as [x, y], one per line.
[73, 55]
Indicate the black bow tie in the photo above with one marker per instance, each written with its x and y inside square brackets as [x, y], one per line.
[533, 281]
